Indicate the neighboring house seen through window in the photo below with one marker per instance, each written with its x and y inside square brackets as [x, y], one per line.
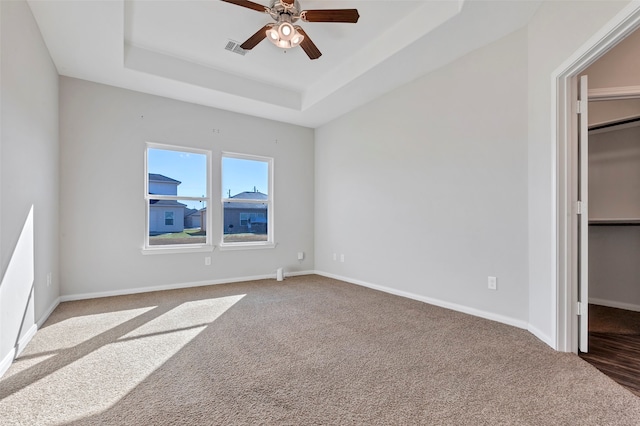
[247, 200]
[177, 197]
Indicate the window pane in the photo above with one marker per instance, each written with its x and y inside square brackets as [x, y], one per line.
[168, 218]
[245, 179]
[245, 222]
[177, 173]
[177, 222]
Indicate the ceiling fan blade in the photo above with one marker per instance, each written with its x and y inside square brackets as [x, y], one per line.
[248, 4]
[330, 15]
[253, 41]
[288, 2]
[308, 46]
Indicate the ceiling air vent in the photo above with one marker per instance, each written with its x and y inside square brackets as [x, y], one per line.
[234, 46]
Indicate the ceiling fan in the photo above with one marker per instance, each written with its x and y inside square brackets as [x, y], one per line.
[283, 33]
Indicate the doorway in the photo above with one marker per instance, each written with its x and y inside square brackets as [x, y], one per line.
[567, 174]
[587, 230]
[613, 229]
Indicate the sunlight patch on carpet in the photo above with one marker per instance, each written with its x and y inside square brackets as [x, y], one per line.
[101, 378]
[85, 327]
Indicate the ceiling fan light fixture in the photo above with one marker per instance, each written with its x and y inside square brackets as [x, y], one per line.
[285, 36]
[282, 33]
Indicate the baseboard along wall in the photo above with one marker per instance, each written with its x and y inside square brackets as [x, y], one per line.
[614, 304]
[443, 304]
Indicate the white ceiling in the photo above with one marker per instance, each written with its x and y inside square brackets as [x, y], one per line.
[177, 49]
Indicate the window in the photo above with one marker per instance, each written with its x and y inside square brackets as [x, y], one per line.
[177, 196]
[247, 218]
[247, 201]
[168, 218]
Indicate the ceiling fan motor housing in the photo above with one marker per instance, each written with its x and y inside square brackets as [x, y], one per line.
[280, 9]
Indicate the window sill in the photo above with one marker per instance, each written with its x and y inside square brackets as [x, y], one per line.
[246, 246]
[177, 249]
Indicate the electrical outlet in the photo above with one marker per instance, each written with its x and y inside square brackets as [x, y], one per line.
[492, 283]
[207, 260]
[300, 255]
[342, 258]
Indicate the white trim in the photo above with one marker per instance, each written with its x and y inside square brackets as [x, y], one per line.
[22, 343]
[614, 304]
[270, 201]
[7, 361]
[614, 93]
[437, 302]
[48, 313]
[124, 292]
[299, 273]
[563, 180]
[15, 352]
[540, 335]
[247, 246]
[177, 249]
[186, 248]
[24, 340]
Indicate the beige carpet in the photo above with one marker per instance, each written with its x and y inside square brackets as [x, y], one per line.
[308, 350]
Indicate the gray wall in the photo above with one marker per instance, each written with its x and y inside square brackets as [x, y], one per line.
[103, 133]
[477, 165]
[29, 167]
[425, 189]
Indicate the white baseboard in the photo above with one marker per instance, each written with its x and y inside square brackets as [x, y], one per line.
[48, 313]
[14, 352]
[6, 361]
[614, 304]
[542, 336]
[298, 273]
[22, 343]
[443, 304]
[123, 292]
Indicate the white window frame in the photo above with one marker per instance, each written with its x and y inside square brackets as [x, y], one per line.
[270, 243]
[176, 248]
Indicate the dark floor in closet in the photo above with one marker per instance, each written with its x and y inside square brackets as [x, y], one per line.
[614, 345]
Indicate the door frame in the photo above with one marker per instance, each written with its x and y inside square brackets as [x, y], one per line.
[565, 142]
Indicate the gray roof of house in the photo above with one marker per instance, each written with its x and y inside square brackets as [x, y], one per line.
[189, 212]
[162, 178]
[251, 195]
[166, 203]
[248, 195]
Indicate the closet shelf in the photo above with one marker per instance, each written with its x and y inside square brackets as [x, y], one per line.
[616, 221]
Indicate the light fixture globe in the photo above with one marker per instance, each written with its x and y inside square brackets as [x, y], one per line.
[285, 31]
[272, 35]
